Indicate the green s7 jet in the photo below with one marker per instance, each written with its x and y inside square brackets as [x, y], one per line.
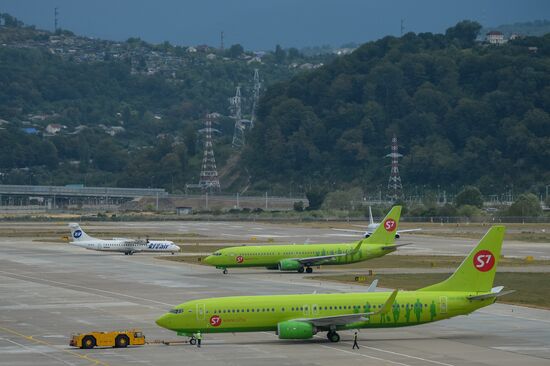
[300, 257]
[302, 316]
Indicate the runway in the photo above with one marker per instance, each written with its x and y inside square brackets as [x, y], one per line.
[50, 290]
[251, 232]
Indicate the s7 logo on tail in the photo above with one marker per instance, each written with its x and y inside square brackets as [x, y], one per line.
[484, 260]
[390, 225]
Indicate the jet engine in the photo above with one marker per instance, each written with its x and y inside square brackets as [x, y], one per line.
[289, 265]
[295, 330]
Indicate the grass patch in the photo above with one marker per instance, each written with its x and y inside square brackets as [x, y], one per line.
[532, 289]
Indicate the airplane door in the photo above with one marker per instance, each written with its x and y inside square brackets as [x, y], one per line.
[306, 310]
[201, 311]
[443, 304]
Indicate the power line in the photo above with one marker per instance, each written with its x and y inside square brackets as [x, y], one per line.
[395, 188]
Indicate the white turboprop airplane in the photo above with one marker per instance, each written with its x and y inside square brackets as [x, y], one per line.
[126, 246]
[371, 227]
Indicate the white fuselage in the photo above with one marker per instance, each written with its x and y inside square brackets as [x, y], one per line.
[127, 245]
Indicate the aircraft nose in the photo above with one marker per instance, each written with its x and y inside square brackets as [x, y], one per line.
[208, 259]
[163, 321]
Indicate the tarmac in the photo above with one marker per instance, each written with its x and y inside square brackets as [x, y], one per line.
[50, 290]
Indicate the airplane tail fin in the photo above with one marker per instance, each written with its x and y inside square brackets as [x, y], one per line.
[477, 271]
[77, 234]
[371, 220]
[385, 232]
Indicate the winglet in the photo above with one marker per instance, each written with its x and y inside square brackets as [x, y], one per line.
[388, 304]
[358, 246]
[372, 286]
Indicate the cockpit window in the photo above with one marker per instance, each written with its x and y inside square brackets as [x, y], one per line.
[176, 311]
[217, 253]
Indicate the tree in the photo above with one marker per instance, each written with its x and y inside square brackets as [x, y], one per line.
[470, 195]
[280, 54]
[464, 32]
[315, 196]
[526, 205]
[235, 51]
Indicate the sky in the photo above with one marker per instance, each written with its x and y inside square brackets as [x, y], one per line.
[261, 24]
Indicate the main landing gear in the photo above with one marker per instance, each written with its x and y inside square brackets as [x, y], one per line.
[192, 341]
[224, 271]
[333, 336]
[128, 253]
[307, 270]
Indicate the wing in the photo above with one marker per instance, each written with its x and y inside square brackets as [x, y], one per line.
[310, 261]
[345, 319]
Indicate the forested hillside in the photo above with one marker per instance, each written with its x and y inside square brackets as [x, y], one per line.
[464, 113]
[129, 112]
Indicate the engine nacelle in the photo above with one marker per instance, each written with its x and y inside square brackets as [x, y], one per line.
[289, 265]
[295, 330]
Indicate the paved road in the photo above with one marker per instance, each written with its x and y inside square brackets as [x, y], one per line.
[48, 290]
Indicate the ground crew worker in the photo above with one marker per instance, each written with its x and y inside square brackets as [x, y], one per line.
[355, 342]
[199, 338]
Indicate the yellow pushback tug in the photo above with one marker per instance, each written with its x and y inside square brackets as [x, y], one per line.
[117, 339]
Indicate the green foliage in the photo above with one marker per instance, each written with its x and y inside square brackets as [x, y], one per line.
[469, 211]
[469, 196]
[235, 51]
[464, 114]
[464, 32]
[526, 205]
[298, 206]
[343, 200]
[315, 197]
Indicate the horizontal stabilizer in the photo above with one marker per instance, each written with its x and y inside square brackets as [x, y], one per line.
[495, 292]
[394, 246]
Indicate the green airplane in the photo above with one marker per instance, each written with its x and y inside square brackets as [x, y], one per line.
[300, 257]
[302, 316]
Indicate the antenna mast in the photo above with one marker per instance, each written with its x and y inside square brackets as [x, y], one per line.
[55, 14]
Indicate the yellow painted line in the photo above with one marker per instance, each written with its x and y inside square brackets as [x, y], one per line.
[72, 353]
